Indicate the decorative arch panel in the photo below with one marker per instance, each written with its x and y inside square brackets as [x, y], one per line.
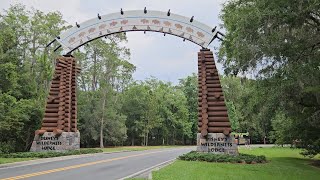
[136, 20]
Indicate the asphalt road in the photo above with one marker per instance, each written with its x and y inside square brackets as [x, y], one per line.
[93, 167]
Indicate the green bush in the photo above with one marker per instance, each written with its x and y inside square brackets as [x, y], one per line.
[48, 154]
[209, 157]
[6, 147]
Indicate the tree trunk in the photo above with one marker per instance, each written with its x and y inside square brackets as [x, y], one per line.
[33, 54]
[183, 139]
[144, 139]
[28, 140]
[101, 134]
[102, 121]
[173, 139]
[94, 75]
[132, 140]
[147, 137]
[167, 139]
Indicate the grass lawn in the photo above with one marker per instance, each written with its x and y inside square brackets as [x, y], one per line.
[135, 148]
[11, 160]
[284, 163]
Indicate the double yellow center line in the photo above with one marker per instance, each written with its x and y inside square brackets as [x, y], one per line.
[76, 166]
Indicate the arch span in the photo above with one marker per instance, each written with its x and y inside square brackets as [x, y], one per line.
[60, 117]
[136, 20]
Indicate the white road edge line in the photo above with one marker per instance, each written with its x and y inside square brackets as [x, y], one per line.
[147, 169]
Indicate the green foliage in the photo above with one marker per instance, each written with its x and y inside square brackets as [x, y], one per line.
[282, 126]
[248, 110]
[7, 147]
[49, 154]
[16, 118]
[105, 73]
[8, 77]
[209, 157]
[189, 86]
[156, 111]
[278, 42]
[24, 73]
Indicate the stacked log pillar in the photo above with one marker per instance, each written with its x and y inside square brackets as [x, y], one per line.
[68, 80]
[60, 113]
[213, 114]
[213, 121]
[73, 117]
[60, 118]
[203, 95]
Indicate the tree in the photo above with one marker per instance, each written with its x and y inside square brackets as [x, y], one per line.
[133, 106]
[189, 86]
[279, 42]
[157, 113]
[105, 73]
[23, 37]
[141, 108]
[173, 112]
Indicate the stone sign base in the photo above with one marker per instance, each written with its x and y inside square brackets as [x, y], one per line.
[49, 142]
[217, 143]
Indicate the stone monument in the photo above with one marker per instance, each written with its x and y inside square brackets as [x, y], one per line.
[50, 142]
[217, 143]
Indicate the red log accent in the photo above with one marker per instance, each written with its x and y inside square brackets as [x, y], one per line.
[57, 132]
[49, 124]
[211, 99]
[216, 108]
[218, 113]
[216, 124]
[40, 132]
[51, 115]
[48, 129]
[216, 119]
[55, 110]
[218, 129]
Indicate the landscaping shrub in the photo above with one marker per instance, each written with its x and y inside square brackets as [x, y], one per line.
[209, 157]
[49, 154]
[6, 147]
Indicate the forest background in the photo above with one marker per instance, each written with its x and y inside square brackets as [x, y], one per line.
[277, 42]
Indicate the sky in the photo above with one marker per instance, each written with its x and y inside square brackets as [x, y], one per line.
[167, 58]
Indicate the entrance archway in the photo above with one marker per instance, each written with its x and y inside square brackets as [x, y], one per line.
[137, 20]
[59, 127]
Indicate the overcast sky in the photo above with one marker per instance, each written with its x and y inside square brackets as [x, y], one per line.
[167, 58]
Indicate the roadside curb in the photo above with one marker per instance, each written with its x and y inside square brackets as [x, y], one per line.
[148, 171]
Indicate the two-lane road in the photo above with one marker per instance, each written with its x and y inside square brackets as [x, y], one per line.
[94, 167]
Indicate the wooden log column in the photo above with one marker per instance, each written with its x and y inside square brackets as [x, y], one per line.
[73, 117]
[61, 109]
[213, 113]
